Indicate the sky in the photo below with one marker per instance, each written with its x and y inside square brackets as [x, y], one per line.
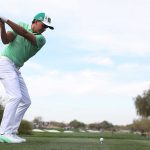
[94, 63]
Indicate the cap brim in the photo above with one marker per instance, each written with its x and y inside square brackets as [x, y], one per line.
[48, 25]
[52, 28]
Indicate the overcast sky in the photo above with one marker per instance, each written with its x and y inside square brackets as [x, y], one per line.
[94, 63]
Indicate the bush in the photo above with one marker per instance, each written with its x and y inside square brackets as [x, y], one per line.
[25, 127]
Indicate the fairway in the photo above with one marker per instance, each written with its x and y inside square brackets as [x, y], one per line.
[72, 143]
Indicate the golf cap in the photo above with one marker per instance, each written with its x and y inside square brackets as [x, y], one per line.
[45, 19]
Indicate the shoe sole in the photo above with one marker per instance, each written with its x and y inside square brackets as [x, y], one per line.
[21, 139]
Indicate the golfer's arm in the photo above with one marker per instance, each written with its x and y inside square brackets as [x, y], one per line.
[6, 37]
[21, 31]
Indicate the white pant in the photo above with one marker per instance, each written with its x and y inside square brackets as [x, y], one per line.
[18, 97]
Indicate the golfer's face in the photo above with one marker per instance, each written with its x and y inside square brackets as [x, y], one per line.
[40, 27]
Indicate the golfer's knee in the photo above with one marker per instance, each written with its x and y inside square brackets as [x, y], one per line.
[16, 97]
[14, 100]
[28, 103]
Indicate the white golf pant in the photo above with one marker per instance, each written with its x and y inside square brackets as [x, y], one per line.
[18, 97]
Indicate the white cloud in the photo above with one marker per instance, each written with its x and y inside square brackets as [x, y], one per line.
[84, 82]
[115, 43]
[133, 68]
[34, 66]
[98, 60]
[66, 83]
[113, 25]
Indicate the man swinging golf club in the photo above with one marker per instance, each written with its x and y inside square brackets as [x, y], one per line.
[23, 42]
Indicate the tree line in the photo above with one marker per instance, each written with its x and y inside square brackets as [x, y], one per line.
[74, 124]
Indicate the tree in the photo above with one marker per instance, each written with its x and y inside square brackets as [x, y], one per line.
[58, 124]
[37, 122]
[106, 125]
[142, 104]
[141, 125]
[76, 124]
[94, 126]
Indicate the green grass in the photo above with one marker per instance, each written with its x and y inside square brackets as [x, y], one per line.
[107, 135]
[79, 141]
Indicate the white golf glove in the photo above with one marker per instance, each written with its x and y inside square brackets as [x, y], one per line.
[3, 19]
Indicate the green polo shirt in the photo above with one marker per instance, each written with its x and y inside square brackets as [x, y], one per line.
[21, 49]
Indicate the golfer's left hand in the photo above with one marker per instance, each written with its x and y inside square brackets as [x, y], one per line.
[3, 19]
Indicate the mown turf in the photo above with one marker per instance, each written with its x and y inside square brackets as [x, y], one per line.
[47, 143]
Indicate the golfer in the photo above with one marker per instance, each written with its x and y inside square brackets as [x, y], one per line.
[23, 41]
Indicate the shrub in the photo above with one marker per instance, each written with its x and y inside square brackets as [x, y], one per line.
[25, 127]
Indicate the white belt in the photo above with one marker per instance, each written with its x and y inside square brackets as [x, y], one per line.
[6, 58]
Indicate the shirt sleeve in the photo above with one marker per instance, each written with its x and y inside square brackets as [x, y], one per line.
[40, 40]
[11, 30]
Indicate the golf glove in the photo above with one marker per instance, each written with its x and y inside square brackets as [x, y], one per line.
[3, 19]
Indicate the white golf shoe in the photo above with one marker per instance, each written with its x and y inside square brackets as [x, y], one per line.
[1, 141]
[9, 138]
[19, 138]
